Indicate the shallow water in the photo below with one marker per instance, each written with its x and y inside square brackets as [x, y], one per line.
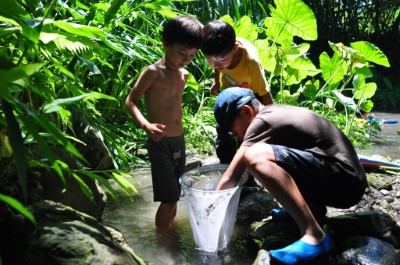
[387, 142]
[135, 219]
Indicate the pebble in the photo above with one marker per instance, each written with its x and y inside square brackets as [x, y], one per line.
[385, 200]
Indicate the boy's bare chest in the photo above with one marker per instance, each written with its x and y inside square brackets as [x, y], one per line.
[169, 84]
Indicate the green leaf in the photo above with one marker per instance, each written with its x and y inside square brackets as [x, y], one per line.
[358, 82]
[31, 29]
[367, 106]
[115, 5]
[246, 29]
[296, 51]
[276, 32]
[367, 91]
[296, 18]
[304, 67]
[123, 183]
[333, 70]
[80, 30]
[192, 83]
[311, 88]
[365, 71]
[285, 97]
[362, 89]
[18, 206]
[84, 187]
[16, 141]
[18, 72]
[12, 9]
[92, 67]
[266, 54]
[371, 53]
[103, 181]
[346, 101]
[51, 107]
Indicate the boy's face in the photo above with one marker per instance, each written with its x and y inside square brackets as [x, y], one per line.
[240, 125]
[220, 62]
[179, 55]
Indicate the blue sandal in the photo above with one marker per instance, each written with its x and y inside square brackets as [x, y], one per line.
[281, 215]
[300, 252]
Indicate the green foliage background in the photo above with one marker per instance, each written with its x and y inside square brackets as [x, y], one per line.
[59, 57]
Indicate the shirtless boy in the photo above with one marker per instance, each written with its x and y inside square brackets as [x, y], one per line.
[162, 84]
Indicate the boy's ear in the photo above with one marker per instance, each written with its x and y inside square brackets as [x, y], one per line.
[236, 46]
[165, 44]
[246, 110]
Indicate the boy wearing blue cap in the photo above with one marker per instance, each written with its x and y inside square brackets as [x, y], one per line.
[162, 84]
[236, 63]
[300, 157]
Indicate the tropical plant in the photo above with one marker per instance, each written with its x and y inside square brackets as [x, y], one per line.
[295, 78]
[46, 65]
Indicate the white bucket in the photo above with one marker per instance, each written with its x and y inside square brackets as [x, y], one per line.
[212, 213]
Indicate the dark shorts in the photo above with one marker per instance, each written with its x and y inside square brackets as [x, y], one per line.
[320, 181]
[167, 158]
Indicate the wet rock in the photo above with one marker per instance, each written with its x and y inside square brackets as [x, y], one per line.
[373, 224]
[370, 223]
[65, 236]
[368, 251]
[379, 182]
[92, 147]
[255, 206]
[263, 258]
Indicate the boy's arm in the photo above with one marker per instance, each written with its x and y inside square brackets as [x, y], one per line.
[260, 84]
[267, 99]
[234, 172]
[154, 131]
[215, 88]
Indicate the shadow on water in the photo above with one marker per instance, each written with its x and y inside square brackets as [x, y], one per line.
[135, 219]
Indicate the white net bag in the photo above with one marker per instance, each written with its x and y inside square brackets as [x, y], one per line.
[212, 213]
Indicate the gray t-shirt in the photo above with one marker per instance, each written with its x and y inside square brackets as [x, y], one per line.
[302, 129]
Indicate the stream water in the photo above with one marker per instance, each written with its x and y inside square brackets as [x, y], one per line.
[387, 142]
[135, 218]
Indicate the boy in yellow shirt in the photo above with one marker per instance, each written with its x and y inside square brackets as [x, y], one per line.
[237, 64]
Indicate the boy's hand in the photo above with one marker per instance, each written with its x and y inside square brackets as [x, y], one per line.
[215, 89]
[156, 131]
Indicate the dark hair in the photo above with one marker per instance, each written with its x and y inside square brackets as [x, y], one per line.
[219, 38]
[186, 30]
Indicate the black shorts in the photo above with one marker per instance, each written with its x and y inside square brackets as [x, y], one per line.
[320, 181]
[167, 158]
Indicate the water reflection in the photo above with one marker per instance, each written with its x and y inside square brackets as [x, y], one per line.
[135, 219]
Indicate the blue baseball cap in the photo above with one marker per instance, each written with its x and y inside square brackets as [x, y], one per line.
[228, 104]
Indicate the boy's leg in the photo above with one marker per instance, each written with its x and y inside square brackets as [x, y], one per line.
[165, 216]
[260, 162]
[167, 159]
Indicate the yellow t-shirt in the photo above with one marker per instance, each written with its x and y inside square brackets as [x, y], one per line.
[248, 73]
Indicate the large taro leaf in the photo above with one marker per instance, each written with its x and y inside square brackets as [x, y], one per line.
[294, 17]
[370, 52]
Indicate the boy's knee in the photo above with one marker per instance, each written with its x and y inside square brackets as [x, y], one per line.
[258, 153]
